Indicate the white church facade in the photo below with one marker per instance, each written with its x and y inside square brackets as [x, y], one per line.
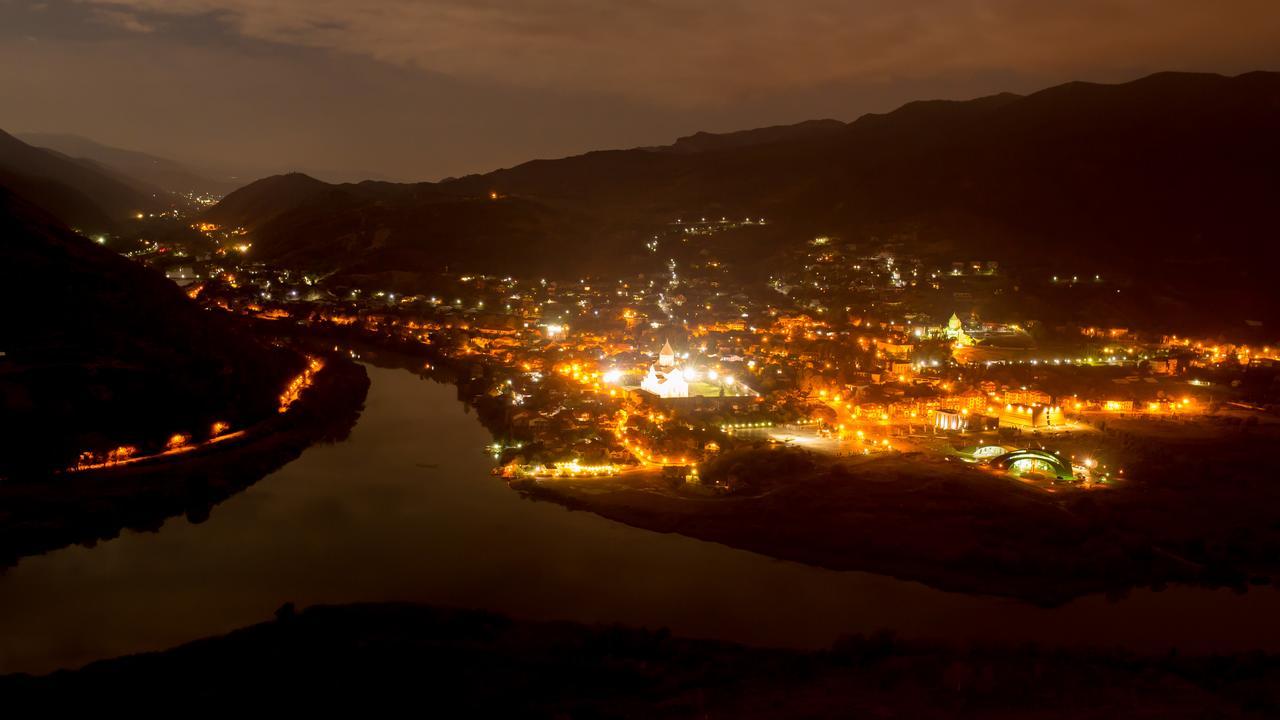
[665, 378]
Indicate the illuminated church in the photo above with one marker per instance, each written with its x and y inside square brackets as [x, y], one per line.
[665, 379]
[955, 331]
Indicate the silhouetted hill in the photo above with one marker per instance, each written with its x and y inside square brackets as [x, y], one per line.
[162, 173]
[77, 193]
[375, 226]
[1168, 178]
[263, 200]
[100, 351]
[459, 663]
[705, 141]
[1176, 157]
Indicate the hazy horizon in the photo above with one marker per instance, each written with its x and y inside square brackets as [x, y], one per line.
[411, 91]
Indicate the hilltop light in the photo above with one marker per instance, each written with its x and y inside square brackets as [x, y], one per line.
[554, 330]
[612, 376]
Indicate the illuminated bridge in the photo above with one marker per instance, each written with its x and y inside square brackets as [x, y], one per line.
[1026, 459]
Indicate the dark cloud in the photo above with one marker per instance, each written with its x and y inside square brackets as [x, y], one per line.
[678, 52]
[415, 88]
[124, 20]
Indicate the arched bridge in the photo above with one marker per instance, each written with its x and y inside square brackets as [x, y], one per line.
[1057, 465]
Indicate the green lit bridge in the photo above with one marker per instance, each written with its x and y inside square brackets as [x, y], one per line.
[1028, 460]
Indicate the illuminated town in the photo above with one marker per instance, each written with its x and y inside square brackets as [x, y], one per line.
[840, 353]
[656, 360]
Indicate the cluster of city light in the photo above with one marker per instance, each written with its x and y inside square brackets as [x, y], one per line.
[128, 454]
[1028, 409]
[589, 339]
[585, 376]
[1055, 361]
[648, 456]
[299, 384]
[862, 438]
[117, 456]
[496, 449]
[571, 469]
[637, 450]
[1168, 406]
[745, 426]
[1152, 407]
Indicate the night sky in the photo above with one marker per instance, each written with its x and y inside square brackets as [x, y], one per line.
[422, 89]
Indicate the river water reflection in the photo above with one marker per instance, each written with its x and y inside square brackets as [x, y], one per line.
[405, 510]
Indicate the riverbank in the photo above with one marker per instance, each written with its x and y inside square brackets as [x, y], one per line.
[85, 507]
[949, 525]
[464, 663]
[1197, 513]
[953, 528]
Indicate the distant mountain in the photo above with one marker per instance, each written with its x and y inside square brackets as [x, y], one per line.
[1166, 161]
[705, 141]
[162, 173]
[1173, 177]
[79, 193]
[265, 199]
[99, 351]
[374, 227]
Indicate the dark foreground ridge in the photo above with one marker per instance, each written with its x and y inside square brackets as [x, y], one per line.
[451, 662]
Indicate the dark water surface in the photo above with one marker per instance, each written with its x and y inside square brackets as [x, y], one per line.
[406, 510]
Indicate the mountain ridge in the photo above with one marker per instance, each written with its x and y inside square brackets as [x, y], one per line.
[155, 171]
[1166, 168]
[90, 198]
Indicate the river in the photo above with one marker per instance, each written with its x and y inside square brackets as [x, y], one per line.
[406, 510]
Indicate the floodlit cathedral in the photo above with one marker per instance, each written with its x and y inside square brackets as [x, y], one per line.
[665, 378]
[955, 331]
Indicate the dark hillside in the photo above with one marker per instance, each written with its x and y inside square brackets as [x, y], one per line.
[100, 351]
